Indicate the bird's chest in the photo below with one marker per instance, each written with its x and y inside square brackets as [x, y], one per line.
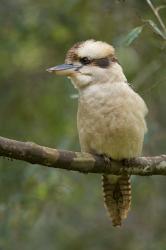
[94, 114]
[105, 123]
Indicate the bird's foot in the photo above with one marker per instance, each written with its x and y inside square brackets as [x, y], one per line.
[124, 162]
[107, 160]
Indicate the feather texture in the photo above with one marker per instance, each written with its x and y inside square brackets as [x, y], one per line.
[117, 197]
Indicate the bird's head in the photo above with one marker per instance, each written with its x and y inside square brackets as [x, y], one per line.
[88, 63]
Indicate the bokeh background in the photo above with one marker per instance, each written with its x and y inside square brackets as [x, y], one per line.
[43, 208]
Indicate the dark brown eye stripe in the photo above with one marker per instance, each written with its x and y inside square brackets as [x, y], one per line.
[72, 56]
[102, 62]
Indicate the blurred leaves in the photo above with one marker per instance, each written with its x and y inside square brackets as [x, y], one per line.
[131, 36]
[159, 29]
[156, 29]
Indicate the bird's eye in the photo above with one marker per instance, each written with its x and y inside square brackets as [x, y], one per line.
[85, 60]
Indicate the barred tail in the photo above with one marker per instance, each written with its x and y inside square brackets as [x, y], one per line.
[117, 197]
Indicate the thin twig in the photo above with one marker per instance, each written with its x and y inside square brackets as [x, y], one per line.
[155, 11]
[160, 7]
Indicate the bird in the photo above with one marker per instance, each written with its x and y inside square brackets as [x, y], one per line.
[110, 118]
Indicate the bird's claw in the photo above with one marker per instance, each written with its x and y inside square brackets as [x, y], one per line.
[107, 160]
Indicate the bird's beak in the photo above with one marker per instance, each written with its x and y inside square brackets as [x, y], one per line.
[64, 69]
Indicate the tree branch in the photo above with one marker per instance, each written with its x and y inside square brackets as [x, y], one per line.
[82, 162]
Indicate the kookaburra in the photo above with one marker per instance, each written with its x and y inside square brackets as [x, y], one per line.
[111, 115]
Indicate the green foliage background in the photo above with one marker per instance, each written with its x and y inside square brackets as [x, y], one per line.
[43, 208]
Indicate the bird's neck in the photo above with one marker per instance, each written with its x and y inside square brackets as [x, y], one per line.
[112, 75]
[115, 79]
[116, 74]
